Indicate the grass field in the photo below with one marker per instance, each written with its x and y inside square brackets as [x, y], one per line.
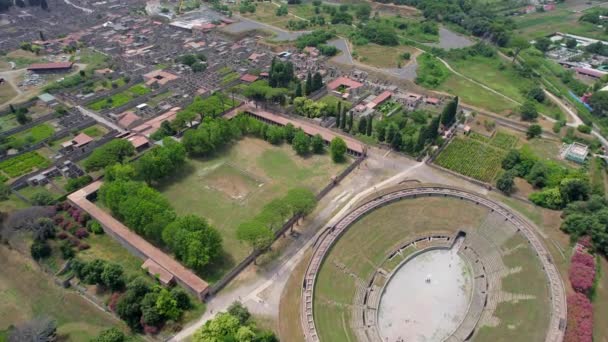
[234, 186]
[121, 98]
[539, 24]
[523, 317]
[32, 293]
[366, 244]
[475, 95]
[6, 93]
[384, 56]
[472, 158]
[500, 75]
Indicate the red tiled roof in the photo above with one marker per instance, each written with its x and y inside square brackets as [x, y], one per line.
[249, 78]
[157, 270]
[590, 72]
[152, 125]
[385, 95]
[343, 81]
[184, 275]
[432, 100]
[82, 139]
[127, 119]
[50, 66]
[308, 128]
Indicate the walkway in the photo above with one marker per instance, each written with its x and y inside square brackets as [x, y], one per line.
[558, 294]
[100, 118]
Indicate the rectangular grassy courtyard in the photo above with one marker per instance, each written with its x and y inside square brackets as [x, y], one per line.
[233, 186]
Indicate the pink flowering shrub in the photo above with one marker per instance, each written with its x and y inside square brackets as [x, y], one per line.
[580, 319]
[83, 246]
[62, 235]
[582, 272]
[586, 242]
[583, 259]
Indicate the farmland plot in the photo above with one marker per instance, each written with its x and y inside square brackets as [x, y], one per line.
[472, 158]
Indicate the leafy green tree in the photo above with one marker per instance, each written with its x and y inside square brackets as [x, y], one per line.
[290, 132]
[218, 329]
[256, 234]
[574, 189]
[275, 134]
[571, 43]
[42, 198]
[369, 128]
[115, 151]
[543, 44]
[112, 276]
[167, 305]
[538, 174]
[119, 172]
[40, 250]
[337, 149]
[301, 143]
[517, 44]
[298, 92]
[397, 141]
[193, 240]
[528, 111]
[599, 102]
[318, 145]
[506, 182]
[302, 201]
[511, 159]
[536, 94]
[181, 298]
[237, 310]
[534, 131]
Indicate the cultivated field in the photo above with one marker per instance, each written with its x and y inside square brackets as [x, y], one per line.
[121, 98]
[234, 186]
[33, 294]
[472, 158]
[366, 244]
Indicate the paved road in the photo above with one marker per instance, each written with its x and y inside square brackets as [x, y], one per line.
[99, 118]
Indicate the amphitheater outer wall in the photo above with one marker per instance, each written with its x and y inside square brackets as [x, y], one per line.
[555, 330]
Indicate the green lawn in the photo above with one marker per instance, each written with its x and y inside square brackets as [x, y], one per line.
[121, 98]
[95, 131]
[30, 136]
[472, 94]
[234, 186]
[26, 292]
[8, 122]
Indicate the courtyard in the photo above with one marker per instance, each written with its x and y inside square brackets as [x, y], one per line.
[233, 186]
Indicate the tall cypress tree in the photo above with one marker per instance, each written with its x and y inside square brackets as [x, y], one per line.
[317, 82]
[338, 121]
[350, 121]
[363, 125]
[448, 116]
[298, 92]
[343, 121]
[369, 126]
[433, 130]
[308, 89]
[339, 108]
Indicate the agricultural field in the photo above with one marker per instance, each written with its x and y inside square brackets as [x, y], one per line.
[472, 158]
[33, 293]
[121, 98]
[234, 186]
[22, 164]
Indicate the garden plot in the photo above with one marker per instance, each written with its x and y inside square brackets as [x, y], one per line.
[472, 158]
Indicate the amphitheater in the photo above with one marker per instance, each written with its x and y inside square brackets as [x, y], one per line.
[380, 273]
